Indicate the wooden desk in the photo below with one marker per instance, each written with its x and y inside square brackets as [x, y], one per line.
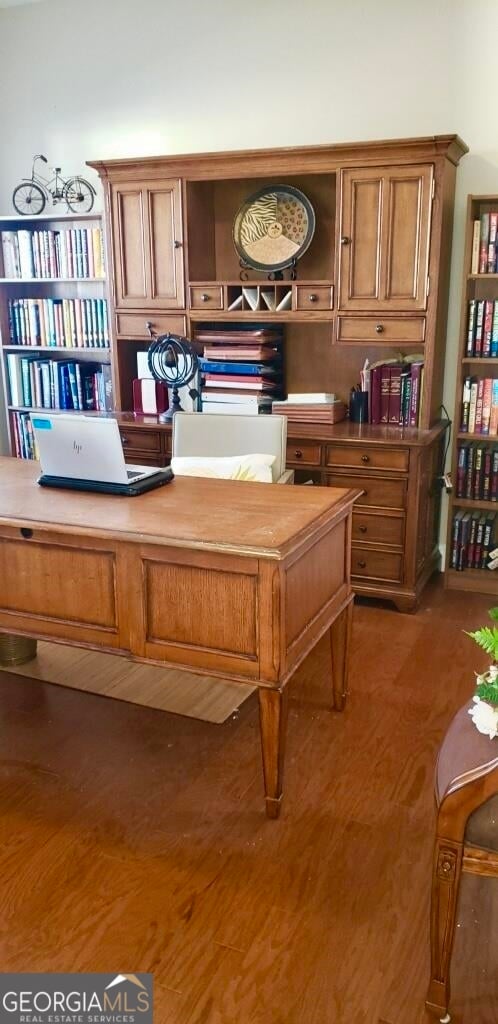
[233, 579]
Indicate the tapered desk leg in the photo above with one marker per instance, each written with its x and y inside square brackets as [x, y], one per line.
[273, 707]
[340, 637]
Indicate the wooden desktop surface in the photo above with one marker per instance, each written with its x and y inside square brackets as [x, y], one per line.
[232, 579]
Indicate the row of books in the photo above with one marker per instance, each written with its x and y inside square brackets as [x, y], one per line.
[395, 391]
[241, 368]
[484, 244]
[68, 323]
[70, 252]
[58, 383]
[477, 472]
[482, 331]
[473, 540]
[480, 406]
[23, 435]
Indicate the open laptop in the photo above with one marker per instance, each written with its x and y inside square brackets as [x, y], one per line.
[85, 453]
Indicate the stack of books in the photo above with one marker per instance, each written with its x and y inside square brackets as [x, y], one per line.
[473, 540]
[72, 252]
[482, 331]
[241, 368]
[477, 472]
[24, 436]
[484, 244]
[313, 407]
[395, 390]
[58, 384]
[480, 406]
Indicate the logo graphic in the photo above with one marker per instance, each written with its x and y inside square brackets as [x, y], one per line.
[76, 999]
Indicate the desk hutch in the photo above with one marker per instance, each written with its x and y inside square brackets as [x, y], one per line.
[374, 283]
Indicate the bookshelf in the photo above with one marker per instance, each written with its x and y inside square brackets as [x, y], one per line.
[372, 285]
[55, 349]
[474, 463]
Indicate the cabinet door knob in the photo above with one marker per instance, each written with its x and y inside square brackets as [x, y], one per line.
[298, 453]
[204, 297]
[344, 240]
[379, 328]
[313, 297]
[365, 458]
[361, 564]
[124, 440]
[362, 529]
[177, 244]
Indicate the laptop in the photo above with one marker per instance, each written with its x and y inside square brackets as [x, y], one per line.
[85, 453]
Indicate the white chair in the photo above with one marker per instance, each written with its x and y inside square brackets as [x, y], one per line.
[202, 434]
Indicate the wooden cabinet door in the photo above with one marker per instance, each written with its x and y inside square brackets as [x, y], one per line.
[148, 245]
[384, 240]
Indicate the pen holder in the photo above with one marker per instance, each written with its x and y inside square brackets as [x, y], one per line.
[358, 407]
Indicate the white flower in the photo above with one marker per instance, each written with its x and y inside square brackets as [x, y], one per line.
[484, 717]
[493, 673]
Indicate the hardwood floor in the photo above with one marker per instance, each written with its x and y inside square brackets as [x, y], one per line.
[135, 840]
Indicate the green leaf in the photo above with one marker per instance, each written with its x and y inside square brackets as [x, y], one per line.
[487, 638]
[493, 614]
[488, 692]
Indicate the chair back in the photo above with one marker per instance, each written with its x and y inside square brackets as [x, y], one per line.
[205, 434]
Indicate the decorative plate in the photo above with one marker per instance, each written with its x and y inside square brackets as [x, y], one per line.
[274, 228]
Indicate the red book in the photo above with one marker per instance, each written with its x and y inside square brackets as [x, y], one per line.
[479, 405]
[415, 393]
[395, 394]
[385, 384]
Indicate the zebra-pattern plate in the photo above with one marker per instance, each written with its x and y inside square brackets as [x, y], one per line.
[274, 227]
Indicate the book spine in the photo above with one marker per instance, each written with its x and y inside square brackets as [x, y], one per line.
[479, 407]
[478, 472]
[494, 476]
[469, 476]
[415, 394]
[472, 406]
[395, 395]
[384, 394]
[479, 328]
[486, 475]
[488, 328]
[493, 222]
[476, 246]
[471, 326]
[73, 385]
[494, 331]
[486, 405]
[462, 458]
[493, 420]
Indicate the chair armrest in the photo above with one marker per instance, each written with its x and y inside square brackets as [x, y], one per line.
[287, 477]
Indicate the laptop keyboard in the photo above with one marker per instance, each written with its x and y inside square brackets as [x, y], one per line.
[131, 474]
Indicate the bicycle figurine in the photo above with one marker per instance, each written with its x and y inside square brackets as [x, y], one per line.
[32, 195]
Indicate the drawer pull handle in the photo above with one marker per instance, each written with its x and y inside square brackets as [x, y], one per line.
[204, 297]
[177, 244]
[298, 453]
[365, 458]
[25, 532]
[379, 328]
[344, 240]
[149, 327]
[124, 440]
[362, 529]
[362, 564]
[313, 297]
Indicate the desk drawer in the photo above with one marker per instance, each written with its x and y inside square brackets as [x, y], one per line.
[310, 296]
[375, 529]
[379, 565]
[134, 325]
[378, 492]
[368, 457]
[369, 328]
[140, 440]
[303, 454]
[206, 297]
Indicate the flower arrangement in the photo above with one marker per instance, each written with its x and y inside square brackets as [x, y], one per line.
[484, 712]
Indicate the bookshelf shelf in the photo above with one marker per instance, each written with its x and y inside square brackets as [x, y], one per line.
[52, 288]
[474, 452]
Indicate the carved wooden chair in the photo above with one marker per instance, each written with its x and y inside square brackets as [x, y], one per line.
[466, 838]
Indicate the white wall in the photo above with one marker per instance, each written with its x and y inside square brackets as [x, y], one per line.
[103, 79]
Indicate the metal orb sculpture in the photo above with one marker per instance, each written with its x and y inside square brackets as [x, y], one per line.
[173, 361]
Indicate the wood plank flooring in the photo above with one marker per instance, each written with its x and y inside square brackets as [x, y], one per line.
[133, 840]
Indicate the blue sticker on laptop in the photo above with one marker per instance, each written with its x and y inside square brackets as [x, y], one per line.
[42, 424]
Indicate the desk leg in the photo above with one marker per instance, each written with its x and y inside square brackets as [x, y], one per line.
[273, 706]
[340, 637]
